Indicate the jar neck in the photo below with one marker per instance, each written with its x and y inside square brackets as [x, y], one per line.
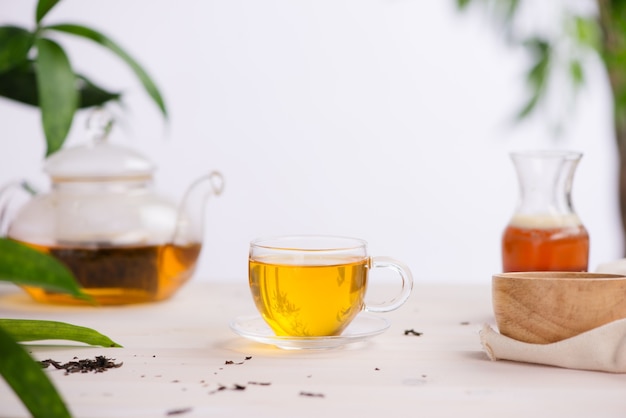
[545, 182]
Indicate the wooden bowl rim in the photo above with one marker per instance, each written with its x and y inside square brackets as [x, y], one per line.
[558, 276]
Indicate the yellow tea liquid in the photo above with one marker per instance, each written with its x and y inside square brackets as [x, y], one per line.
[308, 300]
[122, 275]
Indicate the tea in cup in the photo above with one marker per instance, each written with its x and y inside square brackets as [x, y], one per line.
[311, 286]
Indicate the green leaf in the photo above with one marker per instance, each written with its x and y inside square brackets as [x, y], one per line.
[43, 7]
[538, 73]
[528, 108]
[537, 46]
[576, 73]
[93, 95]
[510, 9]
[38, 330]
[28, 380]
[25, 266]
[15, 43]
[462, 4]
[20, 84]
[101, 39]
[58, 97]
[587, 31]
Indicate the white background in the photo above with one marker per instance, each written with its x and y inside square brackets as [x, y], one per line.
[387, 120]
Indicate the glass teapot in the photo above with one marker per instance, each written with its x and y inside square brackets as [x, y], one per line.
[123, 242]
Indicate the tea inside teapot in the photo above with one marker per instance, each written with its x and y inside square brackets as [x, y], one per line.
[123, 274]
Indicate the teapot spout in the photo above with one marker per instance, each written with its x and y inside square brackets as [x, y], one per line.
[190, 218]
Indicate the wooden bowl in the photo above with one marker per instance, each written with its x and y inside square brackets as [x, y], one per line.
[545, 307]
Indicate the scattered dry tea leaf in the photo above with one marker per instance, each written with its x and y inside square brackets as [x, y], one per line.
[97, 365]
[179, 411]
[239, 362]
[260, 383]
[311, 394]
[412, 332]
[220, 388]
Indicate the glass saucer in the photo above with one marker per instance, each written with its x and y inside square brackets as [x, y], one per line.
[362, 328]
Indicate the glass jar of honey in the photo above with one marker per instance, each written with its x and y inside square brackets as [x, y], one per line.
[545, 233]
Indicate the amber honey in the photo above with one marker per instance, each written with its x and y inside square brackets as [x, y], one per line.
[122, 275]
[545, 244]
[308, 300]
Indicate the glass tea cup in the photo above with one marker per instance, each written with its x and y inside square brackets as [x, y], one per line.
[314, 285]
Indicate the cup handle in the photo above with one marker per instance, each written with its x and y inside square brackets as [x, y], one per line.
[406, 281]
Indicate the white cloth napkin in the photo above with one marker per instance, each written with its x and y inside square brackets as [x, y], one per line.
[601, 349]
[613, 267]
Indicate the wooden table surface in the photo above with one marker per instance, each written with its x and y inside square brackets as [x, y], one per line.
[180, 358]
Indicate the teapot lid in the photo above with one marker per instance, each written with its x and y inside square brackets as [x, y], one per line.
[98, 159]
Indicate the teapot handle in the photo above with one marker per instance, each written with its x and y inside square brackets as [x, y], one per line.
[7, 201]
[193, 204]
